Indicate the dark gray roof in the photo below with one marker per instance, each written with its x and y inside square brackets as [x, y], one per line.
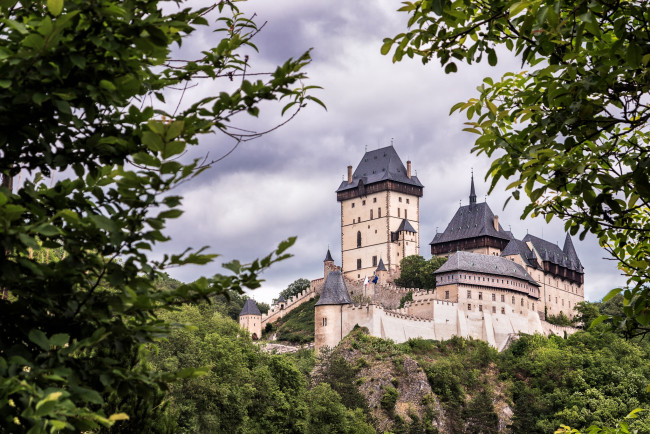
[281, 299]
[328, 257]
[334, 290]
[571, 253]
[518, 247]
[471, 221]
[488, 264]
[381, 266]
[380, 165]
[250, 308]
[472, 191]
[405, 226]
[552, 253]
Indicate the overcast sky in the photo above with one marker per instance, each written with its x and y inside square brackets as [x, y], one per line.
[284, 183]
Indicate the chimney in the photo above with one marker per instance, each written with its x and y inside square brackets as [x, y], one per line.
[408, 169]
[349, 174]
[496, 223]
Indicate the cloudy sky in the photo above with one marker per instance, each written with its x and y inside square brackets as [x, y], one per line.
[284, 183]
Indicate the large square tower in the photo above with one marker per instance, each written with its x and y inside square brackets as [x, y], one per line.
[380, 214]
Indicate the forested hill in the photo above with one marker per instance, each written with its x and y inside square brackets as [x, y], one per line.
[367, 384]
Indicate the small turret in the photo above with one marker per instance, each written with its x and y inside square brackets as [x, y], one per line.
[250, 318]
[329, 311]
[472, 192]
[328, 264]
[381, 272]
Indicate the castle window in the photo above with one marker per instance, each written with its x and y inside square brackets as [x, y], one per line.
[405, 214]
[352, 204]
[533, 306]
[522, 301]
[469, 294]
[399, 212]
[358, 238]
[324, 322]
[503, 310]
[494, 309]
[480, 308]
[400, 199]
[358, 264]
[407, 201]
[374, 200]
[494, 297]
[446, 294]
[363, 202]
[513, 299]
[480, 296]
[370, 214]
[503, 298]
[378, 213]
[374, 261]
[469, 307]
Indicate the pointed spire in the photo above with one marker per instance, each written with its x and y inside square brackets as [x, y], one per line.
[570, 251]
[472, 192]
[381, 266]
[328, 257]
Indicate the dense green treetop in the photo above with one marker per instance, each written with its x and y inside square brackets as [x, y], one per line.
[417, 272]
[295, 288]
[571, 130]
[82, 84]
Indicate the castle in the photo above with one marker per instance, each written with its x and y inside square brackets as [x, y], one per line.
[491, 287]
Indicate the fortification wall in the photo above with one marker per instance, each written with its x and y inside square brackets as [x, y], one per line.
[275, 313]
[552, 329]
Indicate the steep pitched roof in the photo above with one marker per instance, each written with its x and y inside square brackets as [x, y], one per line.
[471, 221]
[281, 299]
[571, 253]
[250, 308]
[381, 266]
[405, 226]
[334, 290]
[518, 247]
[380, 165]
[328, 257]
[488, 264]
[552, 253]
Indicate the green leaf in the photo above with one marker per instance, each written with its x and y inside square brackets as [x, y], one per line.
[5, 84]
[386, 46]
[451, 67]
[59, 339]
[173, 148]
[55, 7]
[599, 320]
[39, 338]
[611, 294]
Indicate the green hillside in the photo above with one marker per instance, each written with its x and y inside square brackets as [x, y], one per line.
[295, 327]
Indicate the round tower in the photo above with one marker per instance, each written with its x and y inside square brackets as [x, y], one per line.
[328, 264]
[250, 318]
[329, 325]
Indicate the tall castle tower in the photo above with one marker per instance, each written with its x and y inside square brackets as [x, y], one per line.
[380, 214]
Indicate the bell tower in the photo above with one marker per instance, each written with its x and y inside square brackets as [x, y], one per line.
[380, 214]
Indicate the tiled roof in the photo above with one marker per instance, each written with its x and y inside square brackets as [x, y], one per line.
[518, 247]
[281, 299]
[334, 290]
[380, 165]
[471, 221]
[570, 251]
[381, 266]
[405, 226]
[328, 257]
[488, 264]
[250, 308]
[552, 253]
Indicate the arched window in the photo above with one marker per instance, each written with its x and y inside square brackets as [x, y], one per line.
[370, 214]
[358, 238]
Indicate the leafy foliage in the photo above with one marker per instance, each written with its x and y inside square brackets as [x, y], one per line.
[416, 272]
[295, 288]
[77, 85]
[571, 132]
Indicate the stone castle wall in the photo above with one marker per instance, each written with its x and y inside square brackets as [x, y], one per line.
[275, 313]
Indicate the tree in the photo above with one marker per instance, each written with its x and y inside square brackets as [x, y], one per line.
[78, 81]
[571, 132]
[295, 288]
[417, 272]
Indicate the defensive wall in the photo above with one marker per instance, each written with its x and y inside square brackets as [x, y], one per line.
[277, 311]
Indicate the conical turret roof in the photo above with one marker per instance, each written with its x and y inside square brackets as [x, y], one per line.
[250, 308]
[334, 290]
[328, 257]
[381, 266]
